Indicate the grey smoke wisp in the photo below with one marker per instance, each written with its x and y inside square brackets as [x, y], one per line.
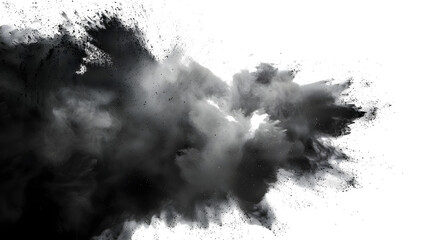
[86, 144]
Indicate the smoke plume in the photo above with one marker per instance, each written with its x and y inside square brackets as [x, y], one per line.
[95, 131]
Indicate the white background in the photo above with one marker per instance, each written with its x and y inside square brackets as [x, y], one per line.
[383, 42]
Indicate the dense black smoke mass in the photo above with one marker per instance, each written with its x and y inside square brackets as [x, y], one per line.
[95, 131]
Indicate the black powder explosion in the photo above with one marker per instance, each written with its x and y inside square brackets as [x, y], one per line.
[87, 144]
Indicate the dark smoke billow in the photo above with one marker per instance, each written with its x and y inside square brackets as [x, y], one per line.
[87, 144]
